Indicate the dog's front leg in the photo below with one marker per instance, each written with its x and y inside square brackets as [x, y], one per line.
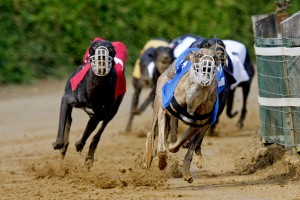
[195, 142]
[134, 104]
[150, 140]
[90, 127]
[161, 148]
[198, 154]
[174, 129]
[64, 125]
[66, 135]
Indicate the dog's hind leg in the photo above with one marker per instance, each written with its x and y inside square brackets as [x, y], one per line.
[174, 147]
[134, 103]
[129, 124]
[147, 101]
[246, 90]
[64, 123]
[229, 104]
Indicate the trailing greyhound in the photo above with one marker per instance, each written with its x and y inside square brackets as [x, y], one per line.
[155, 57]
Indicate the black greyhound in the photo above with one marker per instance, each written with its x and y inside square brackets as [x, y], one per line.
[99, 93]
[157, 59]
[237, 50]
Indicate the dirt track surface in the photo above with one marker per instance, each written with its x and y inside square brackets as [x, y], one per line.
[236, 164]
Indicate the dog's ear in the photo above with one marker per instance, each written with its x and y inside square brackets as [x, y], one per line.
[190, 56]
[156, 52]
[94, 46]
[198, 56]
[106, 44]
[216, 58]
[111, 50]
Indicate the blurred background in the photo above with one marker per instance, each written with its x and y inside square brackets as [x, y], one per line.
[43, 39]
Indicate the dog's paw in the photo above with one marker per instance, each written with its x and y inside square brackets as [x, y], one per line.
[57, 145]
[79, 146]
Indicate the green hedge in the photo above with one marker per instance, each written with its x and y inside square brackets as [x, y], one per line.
[47, 38]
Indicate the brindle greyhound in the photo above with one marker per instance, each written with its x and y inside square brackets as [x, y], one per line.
[99, 94]
[235, 53]
[194, 102]
[157, 59]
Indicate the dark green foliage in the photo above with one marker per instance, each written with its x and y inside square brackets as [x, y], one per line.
[47, 38]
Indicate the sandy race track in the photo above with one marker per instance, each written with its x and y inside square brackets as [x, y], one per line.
[236, 164]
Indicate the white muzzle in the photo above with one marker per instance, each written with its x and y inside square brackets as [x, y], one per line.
[204, 71]
[101, 62]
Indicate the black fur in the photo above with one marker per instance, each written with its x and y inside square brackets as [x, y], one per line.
[245, 88]
[228, 101]
[96, 96]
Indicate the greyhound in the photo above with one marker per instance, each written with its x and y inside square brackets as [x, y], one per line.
[97, 87]
[188, 91]
[152, 64]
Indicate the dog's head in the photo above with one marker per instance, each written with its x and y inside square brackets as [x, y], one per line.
[163, 57]
[103, 43]
[101, 57]
[217, 45]
[204, 66]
